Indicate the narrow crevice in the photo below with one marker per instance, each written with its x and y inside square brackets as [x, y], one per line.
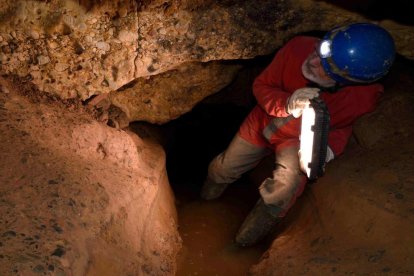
[208, 228]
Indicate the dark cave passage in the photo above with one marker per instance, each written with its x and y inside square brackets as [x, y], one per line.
[208, 227]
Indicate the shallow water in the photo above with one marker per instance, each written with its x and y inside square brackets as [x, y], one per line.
[208, 229]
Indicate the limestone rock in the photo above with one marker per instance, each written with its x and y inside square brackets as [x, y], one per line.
[108, 44]
[393, 119]
[164, 97]
[78, 197]
[385, 126]
[81, 36]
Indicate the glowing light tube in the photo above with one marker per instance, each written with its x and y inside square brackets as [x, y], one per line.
[314, 138]
[306, 138]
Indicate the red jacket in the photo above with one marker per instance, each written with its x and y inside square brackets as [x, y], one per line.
[281, 78]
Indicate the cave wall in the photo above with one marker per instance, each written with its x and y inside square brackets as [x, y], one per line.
[78, 197]
[76, 49]
[91, 198]
[173, 93]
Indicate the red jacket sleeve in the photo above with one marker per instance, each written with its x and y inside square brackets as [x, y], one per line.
[267, 87]
[338, 139]
[358, 102]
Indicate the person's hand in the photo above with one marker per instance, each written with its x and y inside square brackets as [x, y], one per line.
[300, 99]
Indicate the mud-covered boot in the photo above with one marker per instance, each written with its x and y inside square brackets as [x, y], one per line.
[212, 190]
[257, 225]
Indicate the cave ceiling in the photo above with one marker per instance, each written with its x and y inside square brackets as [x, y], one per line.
[78, 49]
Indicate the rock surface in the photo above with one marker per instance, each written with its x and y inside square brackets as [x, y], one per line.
[164, 97]
[78, 197]
[357, 219]
[75, 194]
[77, 49]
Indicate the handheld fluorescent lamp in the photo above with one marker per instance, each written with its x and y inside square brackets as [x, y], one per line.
[314, 138]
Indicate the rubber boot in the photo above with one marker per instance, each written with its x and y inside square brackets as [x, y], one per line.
[212, 190]
[257, 225]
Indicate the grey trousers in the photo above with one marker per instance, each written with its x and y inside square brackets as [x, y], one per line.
[279, 191]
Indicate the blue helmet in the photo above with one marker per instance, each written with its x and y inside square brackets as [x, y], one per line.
[357, 53]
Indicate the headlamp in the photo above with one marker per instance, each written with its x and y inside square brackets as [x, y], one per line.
[324, 49]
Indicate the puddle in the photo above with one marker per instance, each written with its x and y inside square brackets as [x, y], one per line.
[208, 229]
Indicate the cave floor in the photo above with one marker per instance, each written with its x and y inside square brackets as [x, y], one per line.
[321, 233]
[208, 229]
